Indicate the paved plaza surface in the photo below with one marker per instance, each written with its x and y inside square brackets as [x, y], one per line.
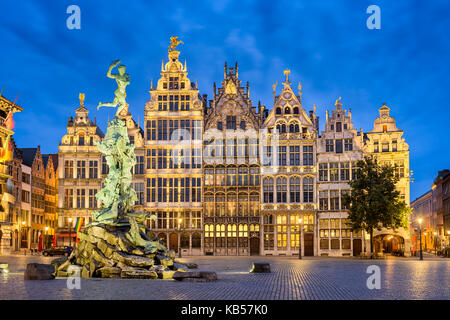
[291, 279]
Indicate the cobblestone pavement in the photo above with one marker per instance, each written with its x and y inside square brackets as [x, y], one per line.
[310, 278]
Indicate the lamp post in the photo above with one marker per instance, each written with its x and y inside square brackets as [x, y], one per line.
[70, 232]
[179, 228]
[300, 238]
[434, 243]
[420, 237]
[21, 228]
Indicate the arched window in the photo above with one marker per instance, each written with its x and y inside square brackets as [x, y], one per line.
[296, 110]
[287, 110]
[243, 204]
[281, 189]
[209, 205]
[220, 205]
[308, 187]
[294, 185]
[254, 204]
[268, 190]
[231, 204]
[283, 128]
[278, 110]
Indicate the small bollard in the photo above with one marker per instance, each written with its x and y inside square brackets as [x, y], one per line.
[260, 267]
[4, 267]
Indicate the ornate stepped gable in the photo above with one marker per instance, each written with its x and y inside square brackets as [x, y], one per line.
[233, 100]
[288, 115]
[173, 77]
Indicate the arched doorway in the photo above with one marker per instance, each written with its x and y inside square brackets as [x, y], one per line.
[173, 242]
[388, 243]
[254, 246]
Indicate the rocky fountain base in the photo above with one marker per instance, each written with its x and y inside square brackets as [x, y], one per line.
[107, 251]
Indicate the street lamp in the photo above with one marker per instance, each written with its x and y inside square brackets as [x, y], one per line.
[420, 237]
[70, 232]
[179, 228]
[299, 238]
[434, 243]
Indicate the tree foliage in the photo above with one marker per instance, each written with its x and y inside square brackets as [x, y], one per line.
[374, 202]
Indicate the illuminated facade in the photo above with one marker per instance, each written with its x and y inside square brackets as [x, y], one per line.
[79, 174]
[7, 109]
[173, 151]
[386, 143]
[289, 175]
[339, 149]
[231, 172]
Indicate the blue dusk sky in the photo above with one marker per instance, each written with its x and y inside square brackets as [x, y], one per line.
[325, 44]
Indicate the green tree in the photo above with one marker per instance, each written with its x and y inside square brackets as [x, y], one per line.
[374, 202]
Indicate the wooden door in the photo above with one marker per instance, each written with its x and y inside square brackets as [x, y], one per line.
[308, 240]
[254, 246]
[357, 247]
[173, 242]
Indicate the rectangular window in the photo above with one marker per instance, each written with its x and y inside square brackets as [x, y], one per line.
[282, 155]
[68, 170]
[375, 146]
[231, 122]
[68, 198]
[81, 169]
[354, 169]
[345, 171]
[348, 144]
[323, 200]
[329, 145]
[323, 171]
[81, 202]
[308, 156]
[338, 126]
[294, 155]
[334, 171]
[105, 168]
[394, 145]
[93, 169]
[334, 200]
[385, 146]
[92, 198]
[339, 146]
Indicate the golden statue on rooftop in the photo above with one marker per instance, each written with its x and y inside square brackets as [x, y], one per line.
[174, 42]
[81, 97]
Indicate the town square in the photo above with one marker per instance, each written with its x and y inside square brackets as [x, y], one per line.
[278, 151]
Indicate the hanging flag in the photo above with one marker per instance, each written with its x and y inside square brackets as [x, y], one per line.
[6, 153]
[9, 121]
[79, 224]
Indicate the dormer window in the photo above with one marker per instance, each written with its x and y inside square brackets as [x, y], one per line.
[278, 110]
[81, 139]
[296, 110]
[173, 83]
[287, 110]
